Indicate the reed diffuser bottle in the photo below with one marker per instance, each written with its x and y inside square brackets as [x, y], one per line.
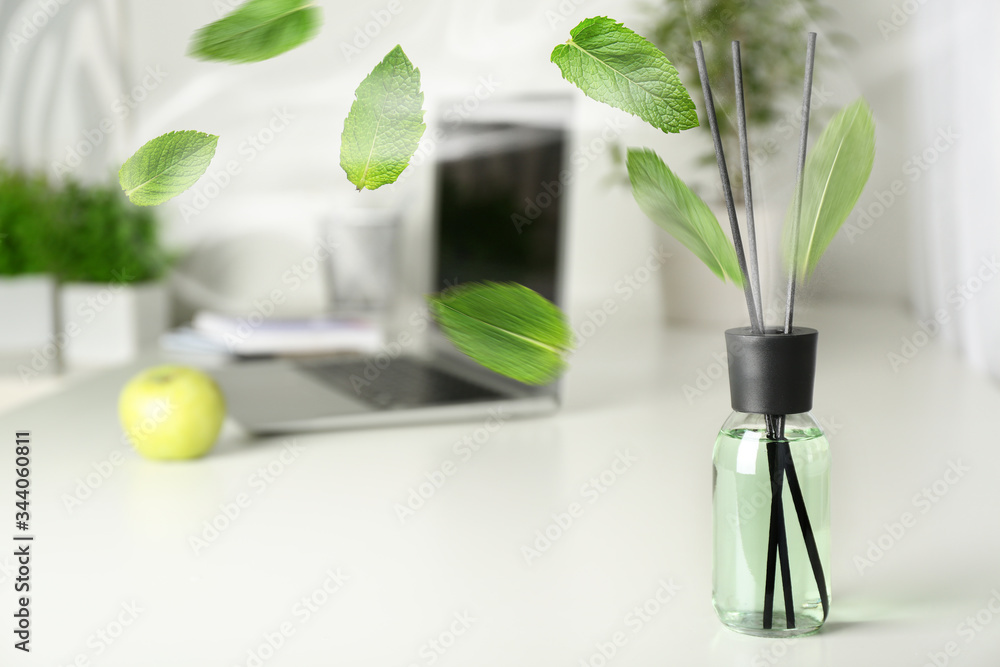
[771, 490]
[772, 462]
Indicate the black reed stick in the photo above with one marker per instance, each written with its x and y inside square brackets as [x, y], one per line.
[808, 537]
[770, 569]
[807, 532]
[777, 542]
[776, 423]
[741, 126]
[785, 455]
[794, 489]
[753, 266]
[793, 272]
[727, 191]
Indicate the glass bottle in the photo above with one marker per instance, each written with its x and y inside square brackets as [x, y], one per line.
[741, 488]
[771, 491]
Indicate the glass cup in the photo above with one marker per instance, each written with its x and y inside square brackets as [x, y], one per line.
[362, 268]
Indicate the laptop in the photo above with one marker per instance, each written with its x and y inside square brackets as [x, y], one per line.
[498, 216]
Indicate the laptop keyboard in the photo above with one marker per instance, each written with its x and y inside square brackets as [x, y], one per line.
[403, 383]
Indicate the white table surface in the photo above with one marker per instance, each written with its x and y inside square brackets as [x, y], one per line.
[452, 586]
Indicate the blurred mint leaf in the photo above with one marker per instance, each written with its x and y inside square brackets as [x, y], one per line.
[384, 126]
[257, 30]
[836, 171]
[505, 327]
[166, 166]
[614, 65]
[671, 204]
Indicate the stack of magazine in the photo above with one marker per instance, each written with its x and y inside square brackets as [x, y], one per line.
[214, 334]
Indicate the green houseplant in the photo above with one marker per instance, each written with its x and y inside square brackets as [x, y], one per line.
[27, 286]
[111, 264]
[769, 32]
[102, 238]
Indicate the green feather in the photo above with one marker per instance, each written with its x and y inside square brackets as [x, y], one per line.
[836, 171]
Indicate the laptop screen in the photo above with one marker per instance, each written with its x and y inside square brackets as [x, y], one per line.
[500, 203]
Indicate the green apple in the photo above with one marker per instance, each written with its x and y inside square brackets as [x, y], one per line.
[172, 412]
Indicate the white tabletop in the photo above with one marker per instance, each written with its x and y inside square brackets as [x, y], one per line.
[319, 562]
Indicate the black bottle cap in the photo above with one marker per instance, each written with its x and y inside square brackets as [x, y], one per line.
[772, 373]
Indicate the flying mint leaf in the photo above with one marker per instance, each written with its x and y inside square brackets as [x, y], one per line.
[257, 30]
[836, 171]
[166, 166]
[614, 65]
[505, 327]
[384, 126]
[671, 204]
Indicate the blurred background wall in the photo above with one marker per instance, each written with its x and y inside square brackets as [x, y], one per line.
[276, 174]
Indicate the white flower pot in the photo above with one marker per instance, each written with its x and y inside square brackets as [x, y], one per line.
[109, 323]
[28, 307]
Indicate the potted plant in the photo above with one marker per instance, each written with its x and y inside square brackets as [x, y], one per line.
[111, 264]
[769, 32]
[27, 288]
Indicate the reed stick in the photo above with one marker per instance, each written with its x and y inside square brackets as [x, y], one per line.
[793, 272]
[727, 190]
[784, 456]
[741, 126]
[795, 491]
[775, 532]
[807, 532]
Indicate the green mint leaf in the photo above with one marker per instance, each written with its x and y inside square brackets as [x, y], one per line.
[614, 65]
[166, 166]
[505, 327]
[837, 168]
[671, 204]
[384, 126]
[257, 30]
